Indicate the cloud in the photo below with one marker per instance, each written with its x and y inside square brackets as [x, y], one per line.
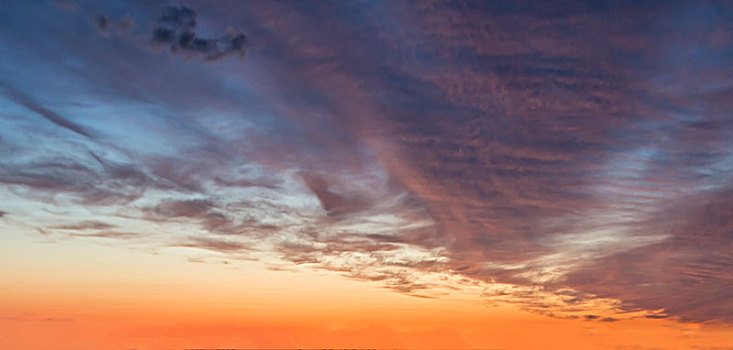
[537, 170]
[85, 182]
[106, 25]
[187, 208]
[102, 23]
[213, 244]
[571, 161]
[49, 115]
[687, 275]
[107, 234]
[175, 31]
[335, 204]
[85, 225]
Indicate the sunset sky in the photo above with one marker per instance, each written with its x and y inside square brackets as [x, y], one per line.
[366, 174]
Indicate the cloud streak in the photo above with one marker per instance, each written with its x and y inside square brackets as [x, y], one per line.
[49, 115]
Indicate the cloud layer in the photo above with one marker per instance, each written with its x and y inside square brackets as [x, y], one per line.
[570, 159]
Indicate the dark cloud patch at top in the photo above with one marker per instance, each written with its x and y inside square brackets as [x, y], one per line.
[175, 30]
[106, 25]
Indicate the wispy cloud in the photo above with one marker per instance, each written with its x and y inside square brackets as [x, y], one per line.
[41, 111]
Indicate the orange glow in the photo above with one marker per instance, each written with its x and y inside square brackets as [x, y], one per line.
[179, 305]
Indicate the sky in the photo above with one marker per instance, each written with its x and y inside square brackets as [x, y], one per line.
[381, 174]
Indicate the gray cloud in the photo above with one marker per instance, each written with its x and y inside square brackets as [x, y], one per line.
[175, 31]
[88, 184]
[106, 25]
[335, 204]
[213, 244]
[85, 225]
[107, 234]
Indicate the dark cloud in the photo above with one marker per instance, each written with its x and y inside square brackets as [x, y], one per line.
[85, 181]
[94, 229]
[214, 244]
[175, 31]
[213, 217]
[269, 183]
[107, 234]
[102, 23]
[106, 25]
[184, 208]
[335, 204]
[85, 225]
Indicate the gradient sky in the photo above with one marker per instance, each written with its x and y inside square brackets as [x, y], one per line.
[393, 174]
